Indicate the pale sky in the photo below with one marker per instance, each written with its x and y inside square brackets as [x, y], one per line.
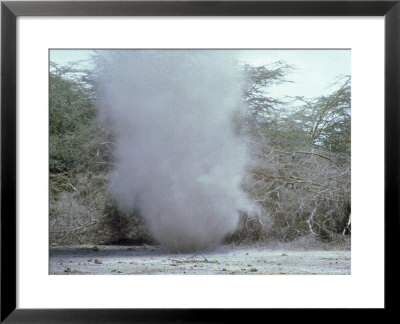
[315, 70]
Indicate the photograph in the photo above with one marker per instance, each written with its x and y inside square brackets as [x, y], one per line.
[199, 161]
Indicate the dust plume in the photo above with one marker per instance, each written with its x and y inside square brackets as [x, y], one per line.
[180, 160]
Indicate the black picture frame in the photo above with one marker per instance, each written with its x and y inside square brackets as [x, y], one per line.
[10, 10]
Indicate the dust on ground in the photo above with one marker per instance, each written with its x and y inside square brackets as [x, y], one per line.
[266, 259]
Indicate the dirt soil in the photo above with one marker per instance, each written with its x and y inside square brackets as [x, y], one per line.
[268, 259]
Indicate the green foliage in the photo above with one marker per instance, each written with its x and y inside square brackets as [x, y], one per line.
[77, 142]
[323, 122]
[327, 119]
[71, 121]
[81, 210]
[258, 79]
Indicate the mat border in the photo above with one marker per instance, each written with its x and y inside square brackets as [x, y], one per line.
[10, 10]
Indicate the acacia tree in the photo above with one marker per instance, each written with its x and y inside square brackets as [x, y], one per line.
[77, 172]
[258, 79]
[326, 119]
[302, 172]
[71, 116]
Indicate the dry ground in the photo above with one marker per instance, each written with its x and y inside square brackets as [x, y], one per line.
[268, 259]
